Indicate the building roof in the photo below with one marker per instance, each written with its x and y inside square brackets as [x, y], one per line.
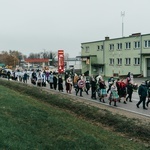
[87, 56]
[36, 60]
[68, 59]
[132, 35]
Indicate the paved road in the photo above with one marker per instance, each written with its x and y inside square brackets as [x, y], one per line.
[130, 106]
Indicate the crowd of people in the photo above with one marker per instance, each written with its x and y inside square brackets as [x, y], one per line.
[116, 90]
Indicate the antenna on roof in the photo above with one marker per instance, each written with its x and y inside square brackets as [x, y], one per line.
[122, 15]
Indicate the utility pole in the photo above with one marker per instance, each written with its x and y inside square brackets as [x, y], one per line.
[122, 15]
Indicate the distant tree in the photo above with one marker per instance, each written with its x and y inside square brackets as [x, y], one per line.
[6, 59]
[31, 55]
[46, 54]
[18, 56]
[11, 58]
[52, 57]
[34, 55]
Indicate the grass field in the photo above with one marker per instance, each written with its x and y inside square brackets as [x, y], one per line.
[27, 123]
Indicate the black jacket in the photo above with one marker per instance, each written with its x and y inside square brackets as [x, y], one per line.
[143, 91]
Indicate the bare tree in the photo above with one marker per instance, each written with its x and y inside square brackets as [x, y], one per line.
[11, 58]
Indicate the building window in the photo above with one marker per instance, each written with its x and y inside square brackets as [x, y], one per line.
[101, 47]
[127, 61]
[127, 45]
[119, 61]
[137, 44]
[111, 61]
[119, 46]
[136, 61]
[147, 43]
[87, 49]
[111, 47]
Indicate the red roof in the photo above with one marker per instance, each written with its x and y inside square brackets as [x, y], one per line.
[33, 60]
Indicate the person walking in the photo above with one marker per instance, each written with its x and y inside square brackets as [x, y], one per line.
[128, 79]
[69, 84]
[142, 91]
[113, 94]
[148, 87]
[33, 77]
[87, 85]
[83, 77]
[129, 91]
[81, 85]
[75, 81]
[44, 79]
[60, 83]
[103, 92]
[51, 80]
[93, 88]
[123, 91]
[8, 75]
[47, 75]
[118, 88]
[66, 77]
[39, 79]
[110, 83]
[25, 77]
[55, 81]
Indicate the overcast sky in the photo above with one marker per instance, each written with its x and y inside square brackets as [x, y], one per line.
[38, 25]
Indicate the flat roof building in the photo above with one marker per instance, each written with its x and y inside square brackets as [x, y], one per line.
[118, 56]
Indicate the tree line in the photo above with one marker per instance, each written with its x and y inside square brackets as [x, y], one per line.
[14, 57]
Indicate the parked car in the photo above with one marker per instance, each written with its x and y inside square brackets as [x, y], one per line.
[4, 71]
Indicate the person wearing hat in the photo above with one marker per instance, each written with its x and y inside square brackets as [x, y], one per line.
[142, 91]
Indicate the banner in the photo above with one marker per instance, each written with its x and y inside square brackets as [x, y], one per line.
[60, 61]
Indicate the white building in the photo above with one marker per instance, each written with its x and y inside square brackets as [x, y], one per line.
[73, 63]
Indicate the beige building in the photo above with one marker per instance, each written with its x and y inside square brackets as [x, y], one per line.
[117, 57]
